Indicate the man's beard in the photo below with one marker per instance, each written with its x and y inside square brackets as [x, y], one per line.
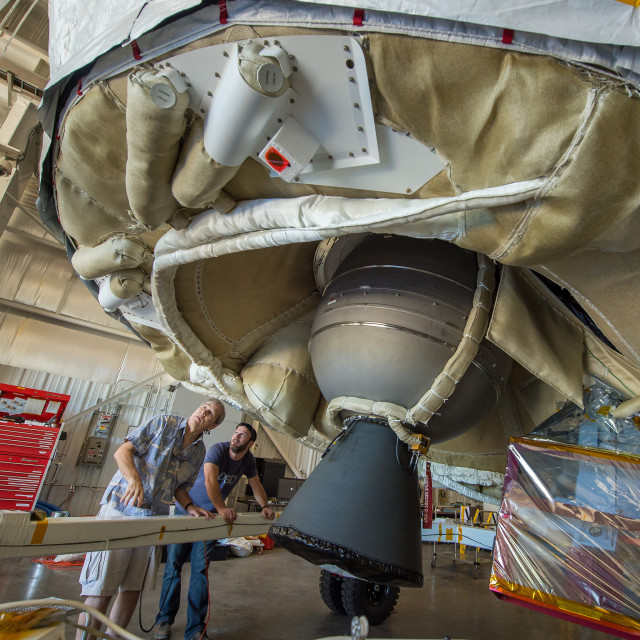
[238, 448]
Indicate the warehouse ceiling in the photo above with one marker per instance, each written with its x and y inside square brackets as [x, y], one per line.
[45, 309]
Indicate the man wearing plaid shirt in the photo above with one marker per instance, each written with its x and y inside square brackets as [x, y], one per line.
[157, 462]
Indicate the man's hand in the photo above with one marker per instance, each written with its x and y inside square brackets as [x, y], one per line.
[124, 457]
[228, 514]
[268, 513]
[134, 494]
[196, 512]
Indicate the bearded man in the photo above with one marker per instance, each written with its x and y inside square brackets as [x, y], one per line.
[224, 464]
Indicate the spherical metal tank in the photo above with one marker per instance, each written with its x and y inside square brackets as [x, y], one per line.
[390, 318]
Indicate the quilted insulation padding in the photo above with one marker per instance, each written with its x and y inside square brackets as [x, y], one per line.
[495, 118]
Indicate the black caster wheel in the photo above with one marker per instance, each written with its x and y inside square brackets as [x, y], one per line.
[375, 601]
[433, 563]
[331, 591]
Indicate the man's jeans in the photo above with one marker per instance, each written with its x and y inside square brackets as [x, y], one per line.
[198, 597]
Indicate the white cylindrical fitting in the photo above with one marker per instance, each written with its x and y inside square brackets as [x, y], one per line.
[238, 116]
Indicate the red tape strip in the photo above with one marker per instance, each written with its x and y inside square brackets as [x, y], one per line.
[507, 36]
[224, 14]
[136, 50]
[358, 17]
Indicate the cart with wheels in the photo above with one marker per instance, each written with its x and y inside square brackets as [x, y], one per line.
[445, 530]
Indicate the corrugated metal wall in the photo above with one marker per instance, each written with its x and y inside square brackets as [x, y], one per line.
[78, 488]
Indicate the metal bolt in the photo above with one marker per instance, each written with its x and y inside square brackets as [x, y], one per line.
[160, 66]
[292, 101]
[279, 120]
[266, 42]
[408, 190]
[351, 155]
[356, 105]
[297, 179]
[276, 42]
[291, 56]
[294, 68]
[360, 129]
[201, 110]
[209, 94]
[364, 150]
[188, 84]
[330, 157]
[346, 48]
[352, 79]
[225, 54]
[182, 73]
[268, 137]
[216, 74]
[167, 64]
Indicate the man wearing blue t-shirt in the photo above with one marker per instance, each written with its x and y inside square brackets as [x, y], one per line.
[224, 464]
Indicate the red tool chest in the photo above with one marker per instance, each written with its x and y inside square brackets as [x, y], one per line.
[29, 432]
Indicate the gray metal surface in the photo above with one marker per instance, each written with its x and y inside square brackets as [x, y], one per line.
[392, 315]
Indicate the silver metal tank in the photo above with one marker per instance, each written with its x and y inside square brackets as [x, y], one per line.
[391, 316]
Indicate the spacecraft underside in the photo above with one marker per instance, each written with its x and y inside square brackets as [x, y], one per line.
[215, 174]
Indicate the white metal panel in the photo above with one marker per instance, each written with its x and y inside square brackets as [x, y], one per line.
[405, 165]
[329, 97]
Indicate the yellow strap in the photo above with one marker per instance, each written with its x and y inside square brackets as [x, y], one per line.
[39, 531]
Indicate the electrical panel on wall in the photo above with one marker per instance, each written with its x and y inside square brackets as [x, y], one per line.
[95, 446]
[93, 451]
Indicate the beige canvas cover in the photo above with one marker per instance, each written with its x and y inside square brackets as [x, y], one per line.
[537, 155]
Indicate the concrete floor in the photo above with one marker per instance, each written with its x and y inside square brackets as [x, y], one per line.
[274, 596]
